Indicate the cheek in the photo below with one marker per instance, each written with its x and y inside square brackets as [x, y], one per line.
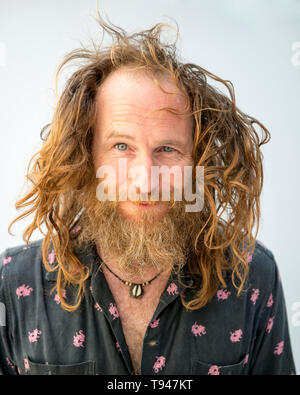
[101, 153]
[177, 177]
[106, 173]
[96, 150]
[102, 158]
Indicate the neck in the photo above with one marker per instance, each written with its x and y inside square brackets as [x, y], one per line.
[147, 273]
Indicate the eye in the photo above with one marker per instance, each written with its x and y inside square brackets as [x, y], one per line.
[167, 148]
[121, 146]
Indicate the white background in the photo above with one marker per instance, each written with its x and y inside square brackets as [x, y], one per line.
[246, 41]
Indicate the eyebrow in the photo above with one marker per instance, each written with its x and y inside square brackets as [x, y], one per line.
[162, 142]
[114, 134]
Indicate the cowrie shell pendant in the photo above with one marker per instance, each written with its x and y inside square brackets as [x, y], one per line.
[136, 290]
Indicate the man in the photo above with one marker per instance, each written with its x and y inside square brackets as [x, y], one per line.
[142, 285]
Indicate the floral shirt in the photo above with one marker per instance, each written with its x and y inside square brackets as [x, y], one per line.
[246, 334]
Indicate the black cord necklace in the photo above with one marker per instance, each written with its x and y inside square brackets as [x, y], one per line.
[136, 290]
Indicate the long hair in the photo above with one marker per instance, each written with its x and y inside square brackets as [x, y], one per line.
[226, 144]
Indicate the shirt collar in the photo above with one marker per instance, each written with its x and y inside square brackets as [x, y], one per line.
[88, 256]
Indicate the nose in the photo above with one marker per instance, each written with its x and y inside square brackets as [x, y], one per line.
[140, 175]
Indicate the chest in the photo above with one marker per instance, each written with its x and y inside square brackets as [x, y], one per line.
[134, 323]
[135, 315]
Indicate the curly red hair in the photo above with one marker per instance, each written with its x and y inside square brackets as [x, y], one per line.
[226, 143]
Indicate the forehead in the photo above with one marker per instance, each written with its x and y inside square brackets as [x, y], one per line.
[139, 91]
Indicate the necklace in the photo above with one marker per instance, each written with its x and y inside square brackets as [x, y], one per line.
[136, 290]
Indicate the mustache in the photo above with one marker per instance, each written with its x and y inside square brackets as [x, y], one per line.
[137, 243]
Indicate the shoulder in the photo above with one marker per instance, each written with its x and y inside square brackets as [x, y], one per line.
[262, 262]
[262, 275]
[21, 261]
[21, 253]
[263, 270]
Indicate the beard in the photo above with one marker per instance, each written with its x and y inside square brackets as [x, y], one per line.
[147, 241]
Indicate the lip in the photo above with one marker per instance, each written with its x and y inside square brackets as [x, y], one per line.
[144, 206]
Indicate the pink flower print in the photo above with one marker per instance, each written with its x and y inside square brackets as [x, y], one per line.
[279, 348]
[270, 324]
[113, 310]
[236, 335]
[270, 301]
[159, 364]
[26, 365]
[51, 257]
[214, 370]
[254, 295]
[154, 323]
[198, 329]
[98, 307]
[57, 298]
[118, 346]
[223, 294]
[78, 339]
[23, 290]
[248, 258]
[9, 363]
[172, 289]
[34, 335]
[246, 359]
[6, 260]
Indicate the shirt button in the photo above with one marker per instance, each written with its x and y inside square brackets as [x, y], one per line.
[190, 282]
[153, 343]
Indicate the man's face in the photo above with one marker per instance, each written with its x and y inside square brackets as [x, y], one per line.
[131, 125]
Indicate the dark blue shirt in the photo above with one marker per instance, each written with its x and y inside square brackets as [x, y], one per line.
[246, 334]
